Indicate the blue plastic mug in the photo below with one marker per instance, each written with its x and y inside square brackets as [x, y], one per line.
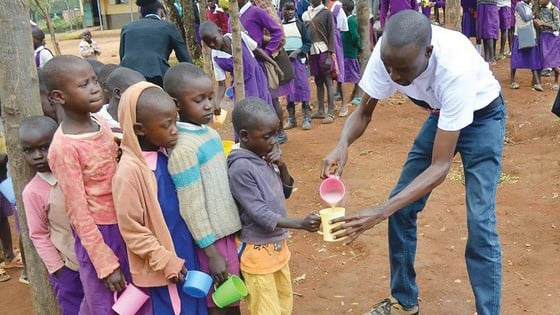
[197, 283]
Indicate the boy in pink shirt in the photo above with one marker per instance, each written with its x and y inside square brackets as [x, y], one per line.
[49, 228]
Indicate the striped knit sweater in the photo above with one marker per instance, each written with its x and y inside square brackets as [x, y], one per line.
[198, 168]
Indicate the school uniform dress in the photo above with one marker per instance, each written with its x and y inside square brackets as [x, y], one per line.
[264, 258]
[487, 19]
[526, 58]
[341, 25]
[253, 75]
[50, 232]
[352, 45]
[320, 22]
[462, 94]
[468, 20]
[390, 7]
[145, 46]
[297, 37]
[505, 14]
[549, 41]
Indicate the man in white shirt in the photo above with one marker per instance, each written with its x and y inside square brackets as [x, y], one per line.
[440, 70]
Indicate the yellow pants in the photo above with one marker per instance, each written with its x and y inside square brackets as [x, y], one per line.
[270, 294]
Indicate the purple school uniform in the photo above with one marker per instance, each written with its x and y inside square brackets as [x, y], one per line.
[301, 83]
[99, 300]
[351, 70]
[427, 11]
[390, 7]
[487, 21]
[255, 21]
[528, 58]
[69, 292]
[338, 49]
[549, 46]
[255, 79]
[468, 22]
[506, 18]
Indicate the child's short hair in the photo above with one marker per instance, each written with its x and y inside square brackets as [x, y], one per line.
[284, 2]
[37, 34]
[249, 111]
[42, 85]
[54, 70]
[105, 72]
[348, 4]
[178, 77]
[122, 78]
[42, 124]
[85, 32]
[96, 65]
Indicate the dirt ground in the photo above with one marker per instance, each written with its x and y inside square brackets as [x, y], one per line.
[330, 278]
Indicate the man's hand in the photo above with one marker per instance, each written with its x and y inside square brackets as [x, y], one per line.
[334, 162]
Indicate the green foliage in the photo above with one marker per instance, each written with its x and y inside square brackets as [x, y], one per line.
[61, 26]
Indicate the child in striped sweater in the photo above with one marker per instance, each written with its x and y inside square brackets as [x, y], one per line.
[198, 168]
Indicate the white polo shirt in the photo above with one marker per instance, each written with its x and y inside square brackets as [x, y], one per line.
[457, 80]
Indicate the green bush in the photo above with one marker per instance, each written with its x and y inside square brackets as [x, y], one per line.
[61, 26]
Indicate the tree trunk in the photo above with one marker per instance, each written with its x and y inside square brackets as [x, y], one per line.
[237, 51]
[454, 15]
[19, 89]
[189, 25]
[206, 52]
[174, 17]
[362, 8]
[45, 12]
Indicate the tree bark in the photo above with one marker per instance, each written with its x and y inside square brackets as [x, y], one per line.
[454, 15]
[174, 17]
[206, 52]
[237, 50]
[189, 25]
[45, 12]
[362, 8]
[19, 89]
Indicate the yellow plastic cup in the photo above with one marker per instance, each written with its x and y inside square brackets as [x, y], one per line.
[229, 292]
[327, 215]
[228, 145]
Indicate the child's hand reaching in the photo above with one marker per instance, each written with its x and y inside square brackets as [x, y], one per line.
[311, 222]
[115, 281]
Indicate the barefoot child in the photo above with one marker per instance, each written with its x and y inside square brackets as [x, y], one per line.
[158, 243]
[83, 158]
[320, 23]
[198, 168]
[298, 42]
[49, 228]
[260, 183]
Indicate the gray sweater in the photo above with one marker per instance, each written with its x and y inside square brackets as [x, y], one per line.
[260, 196]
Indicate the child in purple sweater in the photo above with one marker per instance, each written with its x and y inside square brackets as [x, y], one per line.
[260, 183]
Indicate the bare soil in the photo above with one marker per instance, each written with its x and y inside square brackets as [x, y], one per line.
[330, 278]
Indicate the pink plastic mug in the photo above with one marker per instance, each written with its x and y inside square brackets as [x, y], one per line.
[130, 301]
[332, 190]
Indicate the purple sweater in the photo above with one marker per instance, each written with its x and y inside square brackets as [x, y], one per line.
[260, 196]
[390, 7]
[255, 20]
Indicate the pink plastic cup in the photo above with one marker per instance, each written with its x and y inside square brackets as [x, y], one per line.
[332, 190]
[130, 301]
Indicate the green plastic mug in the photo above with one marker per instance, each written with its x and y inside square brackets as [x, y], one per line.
[229, 292]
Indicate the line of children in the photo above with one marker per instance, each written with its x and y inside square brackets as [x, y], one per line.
[352, 45]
